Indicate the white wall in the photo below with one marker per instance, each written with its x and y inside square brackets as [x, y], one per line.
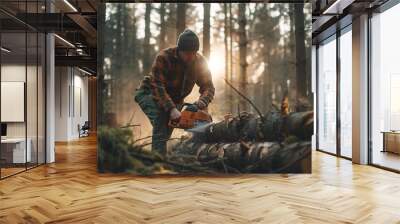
[62, 81]
[71, 94]
[80, 112]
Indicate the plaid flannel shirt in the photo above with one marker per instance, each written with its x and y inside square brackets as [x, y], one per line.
[168, 74]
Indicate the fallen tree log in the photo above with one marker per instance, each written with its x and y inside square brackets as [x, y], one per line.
[245, 144]
[246, 157]
[118, 154]
[247, 127]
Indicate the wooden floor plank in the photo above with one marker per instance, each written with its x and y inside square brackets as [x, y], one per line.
[71, 191]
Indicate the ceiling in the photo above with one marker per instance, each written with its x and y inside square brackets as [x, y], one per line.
[74, 22]
[330, 15]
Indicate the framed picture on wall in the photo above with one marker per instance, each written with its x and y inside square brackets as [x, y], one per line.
[12, 101]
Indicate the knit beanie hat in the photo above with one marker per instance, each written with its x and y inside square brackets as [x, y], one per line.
[188, 41]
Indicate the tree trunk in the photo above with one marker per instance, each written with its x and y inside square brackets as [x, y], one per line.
[267, 76]
[118, 42]
[181, 18]
[242, 54]
[292, 58]
[230, 58]
[116, 63]
[134, 44]
[284, 62]
[274, 126]
[122, 112]
[206, 30]
[301, 75]
[266, 98]
[246, 157]
[162, 43]
[146, 41]
[171, 27]
[227, 89]
[277, 143]
[118, 154]
[101, 85]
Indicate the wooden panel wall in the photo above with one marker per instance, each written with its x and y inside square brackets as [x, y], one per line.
[93, 103]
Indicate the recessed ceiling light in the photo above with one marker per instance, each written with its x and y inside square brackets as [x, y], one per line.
[5, 50]
[70, 5]
[337, 7]
[65, 41]
[84, 71]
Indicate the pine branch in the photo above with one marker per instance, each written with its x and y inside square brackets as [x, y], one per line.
[247, 99]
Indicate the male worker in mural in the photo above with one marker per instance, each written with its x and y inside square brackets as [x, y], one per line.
[174, 73]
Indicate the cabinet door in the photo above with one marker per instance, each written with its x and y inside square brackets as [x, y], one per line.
[392, 142]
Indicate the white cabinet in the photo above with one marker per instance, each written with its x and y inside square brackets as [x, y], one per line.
[17, 147]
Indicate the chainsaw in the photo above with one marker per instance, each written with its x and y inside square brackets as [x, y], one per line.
[191, 118]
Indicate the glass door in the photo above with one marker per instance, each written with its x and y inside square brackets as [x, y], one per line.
[346, 92]
[22, 88]
[326, 91]
[14, 154]
[385, 89]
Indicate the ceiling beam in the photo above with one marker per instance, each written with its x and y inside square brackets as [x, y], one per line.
[73, 12]
[320, 23]
[86, 27]
[82, 61]
[337, 7]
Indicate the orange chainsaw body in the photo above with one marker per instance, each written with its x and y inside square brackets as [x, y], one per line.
[190, 117]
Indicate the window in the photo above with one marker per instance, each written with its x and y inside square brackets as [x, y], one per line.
[346, 93]
[327, 96]
[385, 88]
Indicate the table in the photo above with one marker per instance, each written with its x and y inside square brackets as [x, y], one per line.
[391, 141]
[13, 150]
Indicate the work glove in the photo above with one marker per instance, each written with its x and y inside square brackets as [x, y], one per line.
[175, 115]
[200, 104]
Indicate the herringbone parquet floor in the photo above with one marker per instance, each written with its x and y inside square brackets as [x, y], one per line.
[71, 191]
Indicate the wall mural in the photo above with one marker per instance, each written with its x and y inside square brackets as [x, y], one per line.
[205, 88]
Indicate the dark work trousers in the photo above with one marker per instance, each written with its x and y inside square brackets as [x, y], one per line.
[158, 118]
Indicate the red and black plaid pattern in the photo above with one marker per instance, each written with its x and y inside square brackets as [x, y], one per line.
[168, 82]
